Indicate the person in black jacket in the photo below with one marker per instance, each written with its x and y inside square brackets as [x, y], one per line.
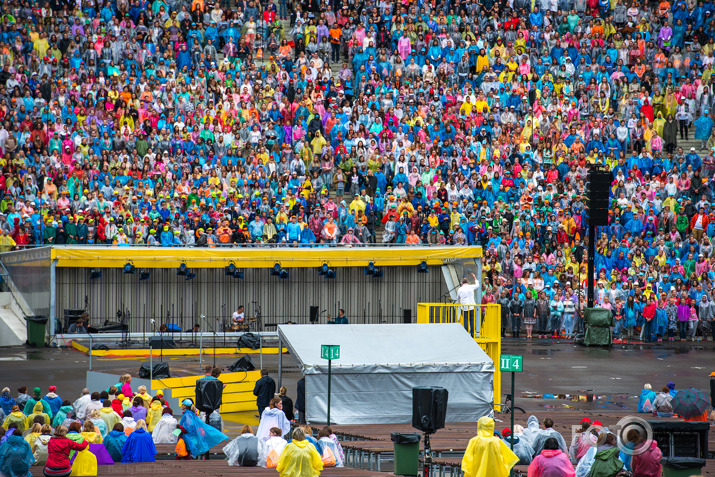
[287, 403]
[300, 400]
[264, 391]
[516, 308]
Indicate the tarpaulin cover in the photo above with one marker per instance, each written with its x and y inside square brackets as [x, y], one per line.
[380, 364]
[598, 327]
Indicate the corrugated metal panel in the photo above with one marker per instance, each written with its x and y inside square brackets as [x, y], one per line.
[171, 299]
[30, 272]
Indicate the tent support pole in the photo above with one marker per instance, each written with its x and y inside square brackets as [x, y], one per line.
[280, 362]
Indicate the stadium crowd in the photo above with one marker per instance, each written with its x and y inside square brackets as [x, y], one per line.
[118, 425]
[177, 123]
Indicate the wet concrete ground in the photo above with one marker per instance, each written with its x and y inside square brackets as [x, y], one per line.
[615, 376]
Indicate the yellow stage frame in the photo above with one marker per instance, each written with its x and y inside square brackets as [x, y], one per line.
[264, 257]
[144, 352]
[490, 331]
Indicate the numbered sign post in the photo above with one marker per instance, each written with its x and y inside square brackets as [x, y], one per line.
[331, 352]
[514, 364]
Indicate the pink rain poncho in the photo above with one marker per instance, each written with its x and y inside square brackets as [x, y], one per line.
[551, 463]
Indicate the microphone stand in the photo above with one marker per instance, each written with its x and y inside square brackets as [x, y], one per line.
[151, 352]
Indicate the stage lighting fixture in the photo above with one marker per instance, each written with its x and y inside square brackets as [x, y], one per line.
[190, 275]
[370, 269]
[283, 274]
[144, 275]
[422, 267]
[94, 274]
[323, 269]
[377, 273]
[183, 269]
[330, 273]
[230, 269]
[238, 274]
[276, 270]
[128, 268]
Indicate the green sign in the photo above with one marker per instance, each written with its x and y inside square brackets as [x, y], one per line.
[512, 362]
[330, 351]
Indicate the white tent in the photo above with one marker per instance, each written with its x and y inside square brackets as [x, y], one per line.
[380, 364]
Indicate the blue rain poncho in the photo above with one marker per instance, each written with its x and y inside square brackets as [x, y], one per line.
[114, 442]
[199, 436]
[139, 447]
[15, 457]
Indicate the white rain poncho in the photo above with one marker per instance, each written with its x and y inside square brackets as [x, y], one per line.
[244, 451]
[273, 443]
[163, 432]
[329, 443]
[272, 418]
[531, 431]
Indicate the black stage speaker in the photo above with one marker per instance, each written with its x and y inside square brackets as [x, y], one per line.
[243, 364]
[406, 315]
[157, 342]
[429, 408]
[161, 371]
[314, 310]
[598, 190]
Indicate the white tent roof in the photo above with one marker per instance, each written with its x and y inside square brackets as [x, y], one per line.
[380, 364]
[370, 348]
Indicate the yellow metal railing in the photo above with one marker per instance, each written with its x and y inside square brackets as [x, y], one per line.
[487, 335]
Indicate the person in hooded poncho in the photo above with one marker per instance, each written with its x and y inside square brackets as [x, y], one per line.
[273, 416]
[108, 415]
[15, 456]
[299, 458]
[54, 401]
[198, 436]
[38, 410]
[163, 432]
[114, 442]
[487, 455]
[154, 414]
[531, 431]
[547, 432]
[606, 462]
[91, 433]
[6, 401]
[521, 448]
[274, 443]
[30, 405]
[245, 450]
[16, 417]
[327, 443]
[61, 414]
[39, 446]
[96, 418]
[139, 446]
[646, 398]
[552, 462]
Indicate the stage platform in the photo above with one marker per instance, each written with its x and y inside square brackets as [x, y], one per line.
[168, 353]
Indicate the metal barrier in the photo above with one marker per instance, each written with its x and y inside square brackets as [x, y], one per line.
[487, 332]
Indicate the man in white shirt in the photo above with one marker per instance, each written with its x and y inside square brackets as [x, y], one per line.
[465, 296]
[238, 318]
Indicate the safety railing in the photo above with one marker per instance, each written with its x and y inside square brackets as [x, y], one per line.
[486, 330]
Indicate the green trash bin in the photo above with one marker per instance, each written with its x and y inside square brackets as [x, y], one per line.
[682, 466]
[407, 452]
[36, 330]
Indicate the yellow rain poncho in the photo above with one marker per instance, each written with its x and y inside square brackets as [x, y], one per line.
[300, 459]
[487, 455]
[153, 415]
[38, 410]
[18, 418]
